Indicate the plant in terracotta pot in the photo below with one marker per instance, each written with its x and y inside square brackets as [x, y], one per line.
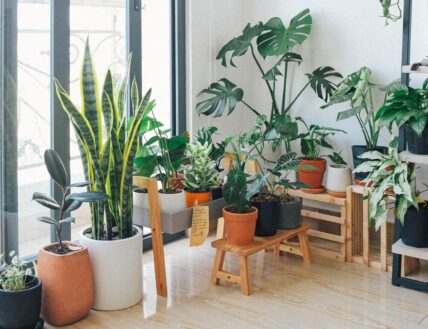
[108, 140]
[65, 260]
[200, 175]
[312, 142]
[239, 216]
[389, 176]
[20, 295]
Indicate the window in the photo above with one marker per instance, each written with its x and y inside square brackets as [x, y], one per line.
[32, 48]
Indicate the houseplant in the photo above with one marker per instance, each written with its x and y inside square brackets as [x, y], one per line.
[387, 10]
[407, 106]
[200, 175]
[388, 175]
[107, 152]
[239, 217]
[358, 91]
[20, 295]
[65, 261]
[311, 143]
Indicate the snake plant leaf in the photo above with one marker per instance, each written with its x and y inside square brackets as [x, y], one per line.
[320, 81]
[89, 197]
[56, 167]
[106, 102]
[239, 46]
[46, 200]
[277, 39]
[46, 219]
[225, 94]
[135, 95]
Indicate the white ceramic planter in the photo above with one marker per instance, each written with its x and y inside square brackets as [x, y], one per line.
[172, 203]
[118, 273]
[141, 199]
[338, 178]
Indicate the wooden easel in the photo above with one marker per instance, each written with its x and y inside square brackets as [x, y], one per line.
[151, 185]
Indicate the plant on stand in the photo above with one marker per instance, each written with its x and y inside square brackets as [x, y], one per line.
[107, 149]
[20, 295]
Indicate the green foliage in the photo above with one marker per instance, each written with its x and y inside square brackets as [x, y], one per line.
[200, 174]
[387, 10]
[108, 150]
[406, 105]
[387, 173]
[235, 189]
[13, 276]
[69, 202]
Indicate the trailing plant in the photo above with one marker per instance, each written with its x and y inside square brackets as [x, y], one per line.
[68, 202]
[201, 174]
[387, 10]
[235, 189]
[107, 147]
[267, 42]
[314, 140]
[406, 105]
[388, 174]
[357, 90]
[13, 276]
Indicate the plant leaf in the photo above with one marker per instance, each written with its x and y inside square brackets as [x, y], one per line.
[46, 219]
[89, 197]
[320, 83]
[46, 200]
[55, 167]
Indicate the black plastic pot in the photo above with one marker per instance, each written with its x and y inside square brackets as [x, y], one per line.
[358, 150]
[416, 144]
[267, 221]
[21, 309]
[415, 229]
[216, 193]
[290, 214]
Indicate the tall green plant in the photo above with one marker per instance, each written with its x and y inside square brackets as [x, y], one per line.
[107, 147]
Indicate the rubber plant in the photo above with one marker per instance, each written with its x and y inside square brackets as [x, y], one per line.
[269, 42]
[107, 147]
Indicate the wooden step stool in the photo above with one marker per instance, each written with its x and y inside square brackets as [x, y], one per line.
[259, 244]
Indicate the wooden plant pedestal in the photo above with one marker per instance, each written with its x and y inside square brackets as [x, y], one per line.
[259, 244]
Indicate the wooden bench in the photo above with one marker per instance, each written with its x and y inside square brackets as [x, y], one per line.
[259, 244]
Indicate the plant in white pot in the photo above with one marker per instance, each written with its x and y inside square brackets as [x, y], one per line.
[339, 176]
[108, 149]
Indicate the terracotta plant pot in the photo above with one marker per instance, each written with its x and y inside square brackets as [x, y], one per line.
[240, 228]
[68, 286]
[338, 179]
[312, 177]
[191, 197]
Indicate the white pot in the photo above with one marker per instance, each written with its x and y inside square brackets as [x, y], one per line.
[338, 178]
[141, 199]
[117, 268]
[172, 202]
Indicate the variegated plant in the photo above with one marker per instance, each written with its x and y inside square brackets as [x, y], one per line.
[108, 141]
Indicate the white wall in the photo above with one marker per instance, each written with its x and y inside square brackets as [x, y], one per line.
[346, 34]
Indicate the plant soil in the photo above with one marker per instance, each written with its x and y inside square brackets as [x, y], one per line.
[264, 198]
[56, 249]
[115, 233]
[233, 209]
[170, 191]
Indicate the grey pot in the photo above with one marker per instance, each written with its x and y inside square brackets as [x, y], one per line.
[290, 215]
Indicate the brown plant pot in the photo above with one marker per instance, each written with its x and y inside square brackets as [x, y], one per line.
[312, 177]
[240, 228]
[68, 287]
[191, 197]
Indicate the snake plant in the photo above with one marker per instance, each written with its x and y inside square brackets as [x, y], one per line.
[107, 147]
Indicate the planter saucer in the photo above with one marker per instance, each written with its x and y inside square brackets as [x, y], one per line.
[40, 324]
[337, 194]
[313, 190]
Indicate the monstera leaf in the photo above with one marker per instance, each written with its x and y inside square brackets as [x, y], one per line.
[224, 94]
[277, 39]
[239, 45]
[320, 83]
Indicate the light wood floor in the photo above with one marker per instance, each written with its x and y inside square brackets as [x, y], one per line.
[286, 294]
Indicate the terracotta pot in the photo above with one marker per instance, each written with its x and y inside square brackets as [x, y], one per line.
[240, 228]
[191, 197]
[68, 286]
[312, 177]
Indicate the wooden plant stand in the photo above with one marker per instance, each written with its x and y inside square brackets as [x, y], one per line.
[259, 244]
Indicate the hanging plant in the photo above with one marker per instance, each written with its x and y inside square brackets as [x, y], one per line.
[390, 13]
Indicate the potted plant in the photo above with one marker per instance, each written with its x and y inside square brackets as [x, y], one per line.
[20, 295]
[312, 142]
[357, 91]
[387, 176]
[200, 175]
[239, 217]
[339, 176]
[407, 106]
[64, 261]
[387, 12]
[108, 148]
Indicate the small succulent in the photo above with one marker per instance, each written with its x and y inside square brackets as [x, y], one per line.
[13, 276]
[200, 174]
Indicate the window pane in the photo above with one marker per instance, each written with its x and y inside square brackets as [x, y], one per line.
[104, 23]
[33, 91]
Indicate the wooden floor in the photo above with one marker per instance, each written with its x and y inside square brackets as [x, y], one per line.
[286, 294]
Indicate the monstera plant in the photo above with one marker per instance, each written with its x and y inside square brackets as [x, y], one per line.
[266, 42]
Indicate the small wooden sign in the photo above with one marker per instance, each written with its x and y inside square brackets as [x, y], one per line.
[200, 225]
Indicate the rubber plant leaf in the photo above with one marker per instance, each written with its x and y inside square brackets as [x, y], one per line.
[55, 167]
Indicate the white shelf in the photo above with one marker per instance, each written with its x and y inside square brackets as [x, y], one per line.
[421, 69]
[415, 158]
[400, 248]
